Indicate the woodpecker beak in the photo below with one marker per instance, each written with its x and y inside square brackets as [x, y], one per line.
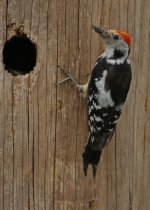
[104, 34]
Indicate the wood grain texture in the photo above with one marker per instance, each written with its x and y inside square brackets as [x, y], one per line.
[43, 126]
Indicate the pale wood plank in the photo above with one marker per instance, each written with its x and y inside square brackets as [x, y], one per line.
[8, 145]
[71, 102]
[3, 8]
[51, 103]
[33, 113]
[9, 156]
[62, 106]
[42, 104]
[20, 123]
[140, 117]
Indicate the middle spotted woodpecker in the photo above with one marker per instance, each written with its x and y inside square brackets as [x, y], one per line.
[106, 93]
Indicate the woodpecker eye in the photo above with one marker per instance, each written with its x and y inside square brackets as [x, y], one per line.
[115, 37]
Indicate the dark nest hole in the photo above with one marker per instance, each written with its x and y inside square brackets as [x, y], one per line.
[19, 55]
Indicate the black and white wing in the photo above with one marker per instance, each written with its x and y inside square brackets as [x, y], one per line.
[107, 93]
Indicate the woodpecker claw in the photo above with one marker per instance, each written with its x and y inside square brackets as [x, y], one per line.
[64, 70]
[68, 76]
[64, 80]
[81, 88]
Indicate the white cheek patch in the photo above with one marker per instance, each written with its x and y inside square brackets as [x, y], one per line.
[109, 52]
[103, 97]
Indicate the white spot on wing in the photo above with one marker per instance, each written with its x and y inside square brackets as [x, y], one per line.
[92, 118]
[98, 119]
[92, 139]
[116, 116]
[98, 128]
[105, 114]
[90, 109]
[92, 129]
[120, 107]
[97, 107]
[114, 122]
[90, 97]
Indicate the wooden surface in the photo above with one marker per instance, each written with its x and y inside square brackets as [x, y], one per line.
[43, 127]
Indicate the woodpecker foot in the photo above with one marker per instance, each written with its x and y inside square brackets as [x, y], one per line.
[68, 75]
[81, 88]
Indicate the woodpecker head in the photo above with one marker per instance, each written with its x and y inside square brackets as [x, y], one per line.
[117, 43]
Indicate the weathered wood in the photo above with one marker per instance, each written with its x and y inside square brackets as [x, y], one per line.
[43, 126]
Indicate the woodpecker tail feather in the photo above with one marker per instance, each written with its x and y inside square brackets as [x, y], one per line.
[90, 156]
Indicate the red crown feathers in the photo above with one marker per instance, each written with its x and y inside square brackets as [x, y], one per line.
[127, 38]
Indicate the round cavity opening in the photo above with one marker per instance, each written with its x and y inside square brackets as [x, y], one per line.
[19, 55]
